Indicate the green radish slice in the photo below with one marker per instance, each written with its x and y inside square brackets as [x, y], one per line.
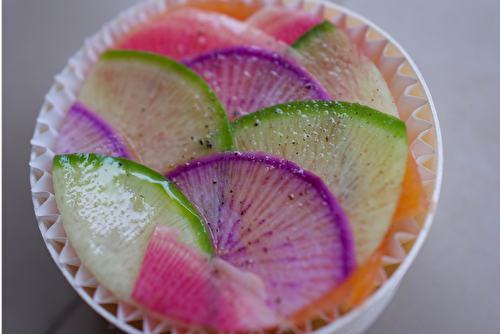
[167, 113]
[283, 23]
[247, 79]
[330, 55]
[187, 32]
[179, 282]
[358, 152]
[84, 131]
[270, 217]
[109, 208]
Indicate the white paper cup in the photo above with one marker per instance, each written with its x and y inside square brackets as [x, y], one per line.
[415, 108]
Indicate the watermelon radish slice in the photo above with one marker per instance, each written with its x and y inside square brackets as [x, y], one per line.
[84, 131]
[358, 152]
[187, 32]
[180, 282]
[161, 107]
[109, 208]
[283, 23]
[247, 79]
[270, 217]
[330, 55]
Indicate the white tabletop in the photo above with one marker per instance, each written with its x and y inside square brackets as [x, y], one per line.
[453, 286]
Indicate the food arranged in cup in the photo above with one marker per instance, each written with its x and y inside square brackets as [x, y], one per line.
[235, 168]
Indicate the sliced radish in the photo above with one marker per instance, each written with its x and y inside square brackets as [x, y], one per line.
[283, 23]
[179, 282]
[167, 112]
[358, 152]
[247, 79]
[187, 32]
[109, 208]
[270, 217]
[84, 131]
[330, 55]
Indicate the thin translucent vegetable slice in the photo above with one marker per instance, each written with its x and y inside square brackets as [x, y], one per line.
[167, 113]
[349, 75]
[413, 199]
[84, 131]
[109, 207]
[283, 23]
[358, 152]
[187, 32]
[179, 282]
[329, 54]
[247, 79]
[270, 217]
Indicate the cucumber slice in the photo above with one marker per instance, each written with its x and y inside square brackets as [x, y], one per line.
[269, 217]
[343, 69]
[84, 131]
[358, 152]
[247, 79]
[167, 113]
[181, 283]
[109, 208]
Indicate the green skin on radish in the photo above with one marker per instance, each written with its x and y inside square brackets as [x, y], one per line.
[159, 106]
[109, 208]
[341, 66]
[358, 152]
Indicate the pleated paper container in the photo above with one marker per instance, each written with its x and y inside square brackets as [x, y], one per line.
[415, 108]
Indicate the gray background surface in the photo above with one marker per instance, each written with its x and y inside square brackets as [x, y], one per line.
[453, 286]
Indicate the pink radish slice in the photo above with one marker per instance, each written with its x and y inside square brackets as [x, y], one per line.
[187, 32]
[247, 79]
[180, 282]
[84, 131]
[270, 217]
[285, 24]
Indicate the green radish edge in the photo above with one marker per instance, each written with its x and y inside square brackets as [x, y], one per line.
[318, 29]
[393, 129]
[220, 117]
[355, 110]
[189, 212]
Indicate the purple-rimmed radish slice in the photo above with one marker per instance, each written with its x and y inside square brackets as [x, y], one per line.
[166, 111]
[180, 282]
[84, 131]
[270, 217]
[247, 79]
[283, 23]
[187, 32]
[359, 153]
